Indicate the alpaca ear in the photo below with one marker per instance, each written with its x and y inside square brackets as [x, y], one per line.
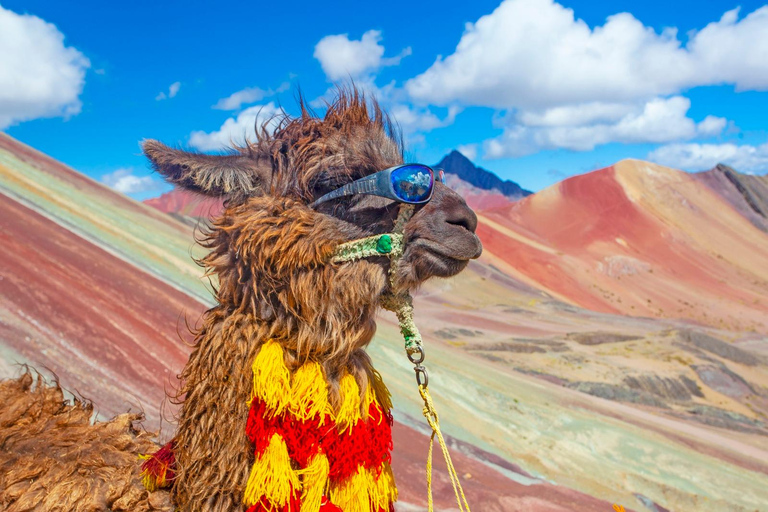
[235, 176]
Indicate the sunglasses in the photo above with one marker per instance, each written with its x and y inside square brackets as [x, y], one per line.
[409, 183]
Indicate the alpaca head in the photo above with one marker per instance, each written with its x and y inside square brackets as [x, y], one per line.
[271, 251]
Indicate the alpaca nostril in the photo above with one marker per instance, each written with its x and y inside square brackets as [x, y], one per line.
[463, 217]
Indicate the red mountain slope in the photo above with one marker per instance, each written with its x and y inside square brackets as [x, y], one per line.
[98, 322]
[638, 239]
[186, 204]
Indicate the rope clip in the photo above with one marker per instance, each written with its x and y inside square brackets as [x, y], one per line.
[422, 377]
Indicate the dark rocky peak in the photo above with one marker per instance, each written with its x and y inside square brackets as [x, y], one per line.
[458, 164]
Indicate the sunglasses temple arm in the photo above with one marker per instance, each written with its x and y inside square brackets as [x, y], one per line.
[366, 185]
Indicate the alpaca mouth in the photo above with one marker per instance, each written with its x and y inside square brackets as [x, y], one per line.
[469, 248]
[434, 264]
[436, 259]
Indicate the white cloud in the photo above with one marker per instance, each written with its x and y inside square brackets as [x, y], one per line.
[698, 157]
[535, 54]
[342, 58]
[559, 83]
[576, 115]
[248, 95]
[583, 127]
[412, 119]
[173, 90]
[236, 129]
[125, 181]
[39, 76]
[468, 150]
[733, 51]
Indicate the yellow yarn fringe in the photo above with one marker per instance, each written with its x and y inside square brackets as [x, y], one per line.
[309, 393]
[349, 411]
[150, 481]
[305, 395]
[271, 378]
[381, 393]
[352, 495]
[272, 475]
[384, 490]
[314, 480]
[364, 492]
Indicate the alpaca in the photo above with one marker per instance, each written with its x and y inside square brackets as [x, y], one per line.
[280, 406]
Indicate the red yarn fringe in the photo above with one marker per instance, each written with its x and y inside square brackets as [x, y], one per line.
[295, 506]
[159, 470]
[368, 443]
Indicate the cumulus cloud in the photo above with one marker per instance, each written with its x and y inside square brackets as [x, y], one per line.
[341, 57]
[412, 119]
[39, 75]
[583, 127]
[560, 83]
[732, 51]
[248, 95]
[698, 157]
[236, 129]
[468, 150]
[125, 181]
[173, 90]
[536, 54]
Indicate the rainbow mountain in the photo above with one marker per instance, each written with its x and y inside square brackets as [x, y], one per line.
[609, 347]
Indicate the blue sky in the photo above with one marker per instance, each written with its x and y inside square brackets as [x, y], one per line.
[533, 90]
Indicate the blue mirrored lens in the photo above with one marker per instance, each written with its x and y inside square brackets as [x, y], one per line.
[412, 183]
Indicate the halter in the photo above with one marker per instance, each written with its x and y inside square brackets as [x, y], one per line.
[392, 245]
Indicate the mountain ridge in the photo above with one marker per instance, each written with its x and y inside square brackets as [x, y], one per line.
[457, 163]
[747, 193]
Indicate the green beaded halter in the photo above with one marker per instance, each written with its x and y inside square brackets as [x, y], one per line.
[390, 245]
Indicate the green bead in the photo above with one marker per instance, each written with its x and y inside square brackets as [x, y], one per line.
[384, 245]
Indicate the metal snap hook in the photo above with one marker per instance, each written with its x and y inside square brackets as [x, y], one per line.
[422, 378]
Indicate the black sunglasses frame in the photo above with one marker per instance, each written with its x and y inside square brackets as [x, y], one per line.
[379, 184]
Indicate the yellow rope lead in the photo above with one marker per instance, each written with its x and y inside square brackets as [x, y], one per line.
[431, 415]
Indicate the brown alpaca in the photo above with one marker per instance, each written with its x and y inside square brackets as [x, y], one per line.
[272, 255]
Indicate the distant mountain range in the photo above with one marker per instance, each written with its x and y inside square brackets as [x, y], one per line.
[745, 192]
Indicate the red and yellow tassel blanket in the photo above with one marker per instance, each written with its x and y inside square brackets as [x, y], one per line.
[309, 457]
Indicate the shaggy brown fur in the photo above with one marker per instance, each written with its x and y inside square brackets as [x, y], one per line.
[271, 258]
[82, 466]
[271, 255]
